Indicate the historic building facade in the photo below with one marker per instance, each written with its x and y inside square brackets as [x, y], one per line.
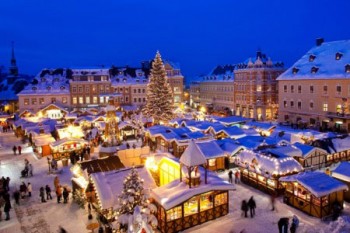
[176, 81]
[316, 89]
[255, 88]
[194, 95]
[89, 88]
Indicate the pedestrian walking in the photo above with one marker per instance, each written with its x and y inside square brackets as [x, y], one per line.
[16, 195]
[23, 190]
[42, 194]
[19, 148]
[283, 225]
[48, 192]
[88, 150]
[295, 224]
[230, 173]
[244, 208]
[252, 206]
[29, 189]
[56, 182]
[237, 177]
[59, 193]
[65, 195]
[30, 170]
[14, 148]
[2, 203]
[7, 208]
[273, 202]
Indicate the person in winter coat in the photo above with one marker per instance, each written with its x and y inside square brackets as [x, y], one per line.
[29, 189]
[295, 224]
[16, 195]
[237, 177]
[65, 195]
[56, 182]
[23, 190]
[230, 173]
[14, 148]
[42, 194]
[2, 203]
[244, 208]
[19, 148]
[283, 225]
[30, 170]
[48, 192]
[59, 193]
[252, 206]
[7, 209]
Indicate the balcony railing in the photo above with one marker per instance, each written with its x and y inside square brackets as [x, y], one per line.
[338, 115]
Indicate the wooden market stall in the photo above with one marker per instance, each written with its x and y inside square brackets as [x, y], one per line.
[262, 171]
[64, 147]
[197, 197]
[127, 130]
[340, 151]
[314, 193]
[41, 144]
[342, 173]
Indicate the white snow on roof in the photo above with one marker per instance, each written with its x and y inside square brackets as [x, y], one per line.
[341, 144]
[65, 140]
[43, 140]
[90, 71]
[342, 171]
[176, 192]
[325, 61]
[318, 183]
[109, 185]
[193, 155]
[267, 164]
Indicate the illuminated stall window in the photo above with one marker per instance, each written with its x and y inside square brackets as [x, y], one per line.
[220, 199]
[206, 201]
[212, 162]
[174, 213]
[191, 206]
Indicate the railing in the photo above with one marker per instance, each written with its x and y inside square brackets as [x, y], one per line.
[338, 115]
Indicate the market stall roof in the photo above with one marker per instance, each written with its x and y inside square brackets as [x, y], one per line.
[341, 144]
[229, 146]
[342, 171]
[318, 183]
[177, 192]
[210, 149]
[233, 131]
[267, 164]
[193, 155]
[124, 124]
[43, 140]
[109, 185]
[105, 164]
[65, 140]
[232, 120]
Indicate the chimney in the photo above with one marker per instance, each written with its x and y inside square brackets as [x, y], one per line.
[319, 41]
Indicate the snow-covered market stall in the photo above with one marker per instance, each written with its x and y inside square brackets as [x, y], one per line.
[196, 198]
[340, 150]
[41, 144]
[314, 193]
[342, 173]
[64, 147]
[262, 171]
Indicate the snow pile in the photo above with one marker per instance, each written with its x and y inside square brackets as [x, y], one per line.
[342, 225]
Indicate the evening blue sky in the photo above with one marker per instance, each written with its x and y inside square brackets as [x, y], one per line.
[197, 34]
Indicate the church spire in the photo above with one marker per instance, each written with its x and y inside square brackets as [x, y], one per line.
[13, 68]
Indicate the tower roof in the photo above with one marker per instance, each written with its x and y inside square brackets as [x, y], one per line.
[193, 156]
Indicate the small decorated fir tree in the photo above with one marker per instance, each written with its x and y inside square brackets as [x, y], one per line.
[159, 94]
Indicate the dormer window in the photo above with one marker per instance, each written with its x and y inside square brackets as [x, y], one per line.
[62, 87]
[338, 56]
[49, 88]
[295, 70]
[34, 88]
[314, 70]
[43, 79]
[312, 58]
[347, 68]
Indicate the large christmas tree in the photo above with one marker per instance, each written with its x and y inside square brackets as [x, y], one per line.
[159, 95]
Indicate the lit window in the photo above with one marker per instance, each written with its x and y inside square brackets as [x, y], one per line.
[312, 58]
[212, 162]
[314, 70]
[258, 88]
[75, 100]
[338, 56]
[34, 101]
[102, 99]
[64, 100]
[81, 100]
[41, 101]
[87, 99]
[94, 99]
[325, 107]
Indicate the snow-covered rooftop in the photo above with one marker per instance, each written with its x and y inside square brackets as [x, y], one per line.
[341, 144]
[193, 155]
[342, 171]
[321, 62]
[109, 185]
[176, 192]
[318, 183]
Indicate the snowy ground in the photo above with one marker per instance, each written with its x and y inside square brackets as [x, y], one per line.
[33, 216]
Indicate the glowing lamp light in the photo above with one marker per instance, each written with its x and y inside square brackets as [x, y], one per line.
[203, 109]
[151, 164]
